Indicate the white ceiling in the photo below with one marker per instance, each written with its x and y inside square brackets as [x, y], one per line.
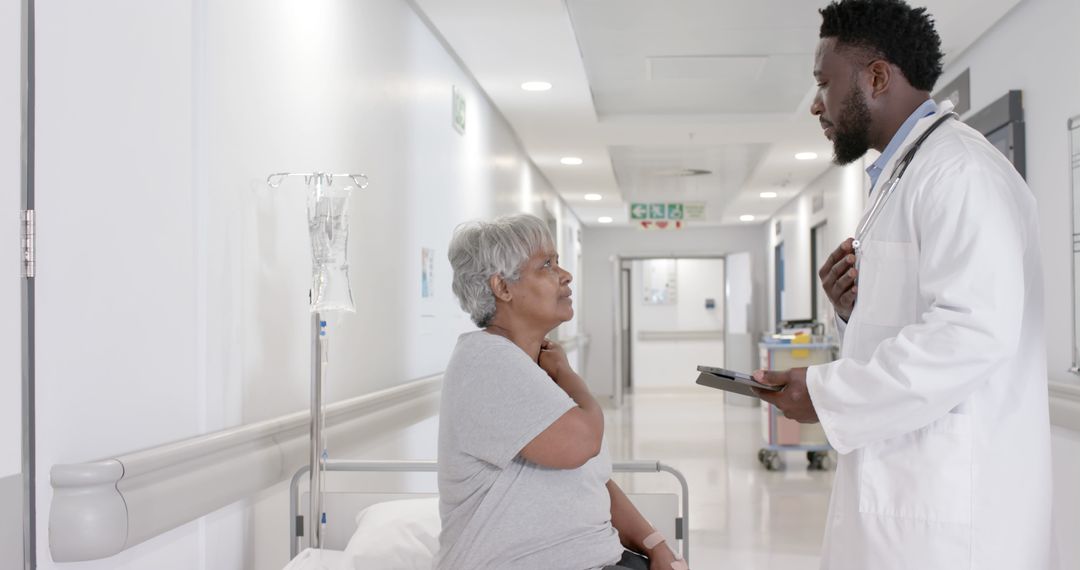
[697, 57]
[647, 173]
[642, 86]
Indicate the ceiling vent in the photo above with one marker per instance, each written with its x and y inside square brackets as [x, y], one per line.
[681, 172]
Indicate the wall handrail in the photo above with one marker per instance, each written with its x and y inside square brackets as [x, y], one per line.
[708, 334]
[101, 508]
[576, 342]
[1065, 404]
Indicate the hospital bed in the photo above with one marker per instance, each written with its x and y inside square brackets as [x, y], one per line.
[395, 530]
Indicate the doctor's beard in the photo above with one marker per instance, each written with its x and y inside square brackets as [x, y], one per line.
[851, 137]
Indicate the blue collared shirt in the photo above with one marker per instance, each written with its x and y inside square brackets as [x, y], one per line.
[925, 110]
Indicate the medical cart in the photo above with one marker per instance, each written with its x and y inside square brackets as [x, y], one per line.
[784, 352]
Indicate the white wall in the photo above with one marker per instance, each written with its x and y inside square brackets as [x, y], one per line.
[600, 245]
[1066, 456]
[173, 284]
[740, 346]
[844, 190]
[10, 305]
[739, 293]
[10, 191]
[697, 279]
[1025, 51]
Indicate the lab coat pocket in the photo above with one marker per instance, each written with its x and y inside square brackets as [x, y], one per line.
[887, 283]
[924, 475]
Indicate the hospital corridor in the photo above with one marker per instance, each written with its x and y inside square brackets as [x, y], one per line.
[734, 498]
[540, 285]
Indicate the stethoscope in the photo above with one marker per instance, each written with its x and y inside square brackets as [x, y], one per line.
[883, 195]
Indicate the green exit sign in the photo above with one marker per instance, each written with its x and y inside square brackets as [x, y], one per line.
[694, 211]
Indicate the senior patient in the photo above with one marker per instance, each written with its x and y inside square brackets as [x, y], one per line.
[524, 477]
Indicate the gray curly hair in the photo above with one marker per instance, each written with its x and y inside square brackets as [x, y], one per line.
[480, 249]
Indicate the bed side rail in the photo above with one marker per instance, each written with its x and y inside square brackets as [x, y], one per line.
[682, 524]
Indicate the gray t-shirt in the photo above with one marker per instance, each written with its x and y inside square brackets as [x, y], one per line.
[499, 510]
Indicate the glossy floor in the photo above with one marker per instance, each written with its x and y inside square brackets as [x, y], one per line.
[741, 516]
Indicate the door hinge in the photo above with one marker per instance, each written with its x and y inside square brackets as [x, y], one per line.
[27, 241]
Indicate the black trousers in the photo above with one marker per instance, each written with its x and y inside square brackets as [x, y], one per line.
[630, 561]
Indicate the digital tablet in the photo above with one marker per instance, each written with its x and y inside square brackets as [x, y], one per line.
[731, 381]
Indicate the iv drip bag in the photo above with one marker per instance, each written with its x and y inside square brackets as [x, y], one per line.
[328, 224]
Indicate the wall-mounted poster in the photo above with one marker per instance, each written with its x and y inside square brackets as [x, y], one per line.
[660, 285]
[427, 272]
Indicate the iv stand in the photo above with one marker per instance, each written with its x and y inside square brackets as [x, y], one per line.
[318, 459]
[318, 370]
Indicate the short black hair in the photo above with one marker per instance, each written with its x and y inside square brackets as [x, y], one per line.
[891, 30]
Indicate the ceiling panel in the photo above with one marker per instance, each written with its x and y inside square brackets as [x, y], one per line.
[707, 85]
[701, 57]
[691, 173]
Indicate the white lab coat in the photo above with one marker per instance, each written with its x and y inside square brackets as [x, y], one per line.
[938, 404]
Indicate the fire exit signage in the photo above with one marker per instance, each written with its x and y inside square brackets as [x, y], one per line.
[694, 211]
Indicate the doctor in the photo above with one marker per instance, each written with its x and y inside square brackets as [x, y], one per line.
[938, 404]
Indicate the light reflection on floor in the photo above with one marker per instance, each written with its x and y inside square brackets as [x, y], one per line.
[742, 516]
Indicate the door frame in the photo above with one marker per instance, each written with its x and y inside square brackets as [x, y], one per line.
[27, 292]
[617, 262]
[779, 283]
[815, 298]
[625, 379]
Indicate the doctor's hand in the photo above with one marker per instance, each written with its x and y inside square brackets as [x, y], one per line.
[839, 279]
[794, 399]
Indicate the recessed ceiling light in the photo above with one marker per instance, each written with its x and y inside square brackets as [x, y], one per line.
[593, 197]
[746, 218]
[806, 156]
[605, 219]
[571, 160]
[767, 195]
[536, 86]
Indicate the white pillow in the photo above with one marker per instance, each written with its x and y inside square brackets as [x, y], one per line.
[396, 535]
[313, 559]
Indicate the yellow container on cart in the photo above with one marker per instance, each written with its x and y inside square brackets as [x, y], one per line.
[780, 433]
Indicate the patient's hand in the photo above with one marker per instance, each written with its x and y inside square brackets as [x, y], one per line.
[553, 359]
[662, 558]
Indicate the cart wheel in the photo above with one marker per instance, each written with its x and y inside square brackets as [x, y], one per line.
[761, 455]
[774, 464]
[819, 460]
